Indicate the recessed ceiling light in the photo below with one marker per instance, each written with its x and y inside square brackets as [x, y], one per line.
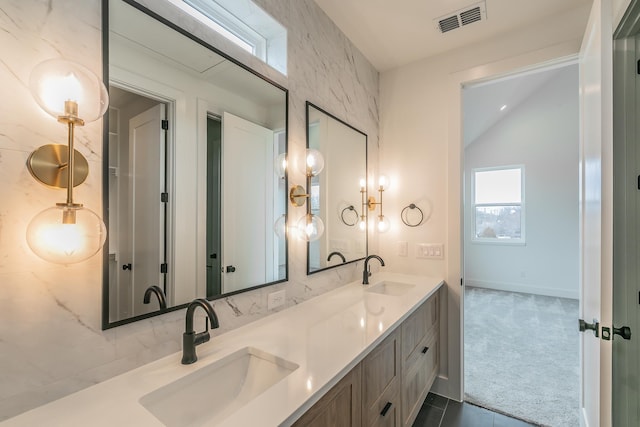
[504, 107]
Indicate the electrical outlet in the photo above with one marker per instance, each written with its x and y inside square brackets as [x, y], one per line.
[403, 248]
[276, 299]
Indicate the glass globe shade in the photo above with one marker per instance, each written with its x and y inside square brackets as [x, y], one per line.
[383, 224]
[310, 228]
[281, 165]
[362, 224]
[280, 227]
[66, 235]
[314, 162]
[55, 81]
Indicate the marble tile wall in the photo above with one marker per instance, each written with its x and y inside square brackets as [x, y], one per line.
[51, 342]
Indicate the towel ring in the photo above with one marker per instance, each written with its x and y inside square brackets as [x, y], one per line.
[403, 215]
[351, 209]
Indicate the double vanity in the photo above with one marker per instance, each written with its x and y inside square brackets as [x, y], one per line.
[365, 353]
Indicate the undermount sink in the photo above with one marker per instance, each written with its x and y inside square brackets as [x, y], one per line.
[390, 288]
[214, 392]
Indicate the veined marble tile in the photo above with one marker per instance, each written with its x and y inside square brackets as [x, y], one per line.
[51, 342]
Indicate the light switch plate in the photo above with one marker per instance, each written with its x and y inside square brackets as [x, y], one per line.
[430, 250]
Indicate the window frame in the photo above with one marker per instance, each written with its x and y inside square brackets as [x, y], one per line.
[521, 241]
[260, 40]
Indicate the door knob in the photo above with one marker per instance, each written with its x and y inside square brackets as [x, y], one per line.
[589, 326]
[230, 269]
[624, 332]
[127, 267]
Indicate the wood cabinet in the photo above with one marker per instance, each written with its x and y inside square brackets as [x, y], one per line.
[381, 384]
[388, 387]
[340, 407]
[419, 357]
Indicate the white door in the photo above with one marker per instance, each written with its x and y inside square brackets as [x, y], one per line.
[248, 209]
[596, 212]
[146, 183]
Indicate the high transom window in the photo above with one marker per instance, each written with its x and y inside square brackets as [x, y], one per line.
[245, 24]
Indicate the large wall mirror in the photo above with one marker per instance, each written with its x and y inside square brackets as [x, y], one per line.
[335, 192]
[192, 187]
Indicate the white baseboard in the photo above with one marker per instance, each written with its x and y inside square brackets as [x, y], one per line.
[527, 289]
[442, 387]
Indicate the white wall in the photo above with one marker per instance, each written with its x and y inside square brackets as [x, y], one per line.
[421, 149]
[51, 343]
[542, 134]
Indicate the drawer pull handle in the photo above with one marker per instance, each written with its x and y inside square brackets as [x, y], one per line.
[386, 409]
[424, 350]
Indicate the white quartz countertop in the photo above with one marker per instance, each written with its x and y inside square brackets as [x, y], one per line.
[326, 336]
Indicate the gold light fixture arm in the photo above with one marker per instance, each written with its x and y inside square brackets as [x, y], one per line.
[372, 203]
[71, 119]
[47, 164]
[363, 191]
[298, 195]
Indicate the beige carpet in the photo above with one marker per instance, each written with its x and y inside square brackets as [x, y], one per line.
[522, 355]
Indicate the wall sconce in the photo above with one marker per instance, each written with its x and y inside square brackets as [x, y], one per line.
[310, 227]
[68, 232]
[383, 222]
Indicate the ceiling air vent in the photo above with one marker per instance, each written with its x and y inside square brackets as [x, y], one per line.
[448, 24]
[470, 14]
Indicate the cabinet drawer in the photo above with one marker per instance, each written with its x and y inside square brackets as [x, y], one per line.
[418, 326]
[389, 404]
[340, 407]
[418, 377]
[381, 383]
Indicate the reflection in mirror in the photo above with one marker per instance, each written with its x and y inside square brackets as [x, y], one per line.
[335, 193]
[194, 187]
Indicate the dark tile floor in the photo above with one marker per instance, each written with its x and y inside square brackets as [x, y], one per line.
[438, 411]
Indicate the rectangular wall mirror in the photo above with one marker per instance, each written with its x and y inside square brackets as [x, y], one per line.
[192, 188]
[335, 192]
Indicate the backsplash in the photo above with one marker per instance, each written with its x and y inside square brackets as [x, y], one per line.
[51, 342]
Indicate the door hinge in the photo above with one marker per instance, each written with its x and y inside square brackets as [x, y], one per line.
[164, 268]
[164, 197]
[461, 281]
[165, 124]
[638, 67]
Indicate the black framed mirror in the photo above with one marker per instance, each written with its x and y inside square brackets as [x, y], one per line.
[191, 183]
[335, 193]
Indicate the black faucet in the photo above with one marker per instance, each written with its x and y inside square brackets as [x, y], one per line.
[366, 273]
[338, 254]
[190, 339]
[155, 289]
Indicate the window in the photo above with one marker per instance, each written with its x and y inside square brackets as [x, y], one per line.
[245, 24]
[498, 202]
